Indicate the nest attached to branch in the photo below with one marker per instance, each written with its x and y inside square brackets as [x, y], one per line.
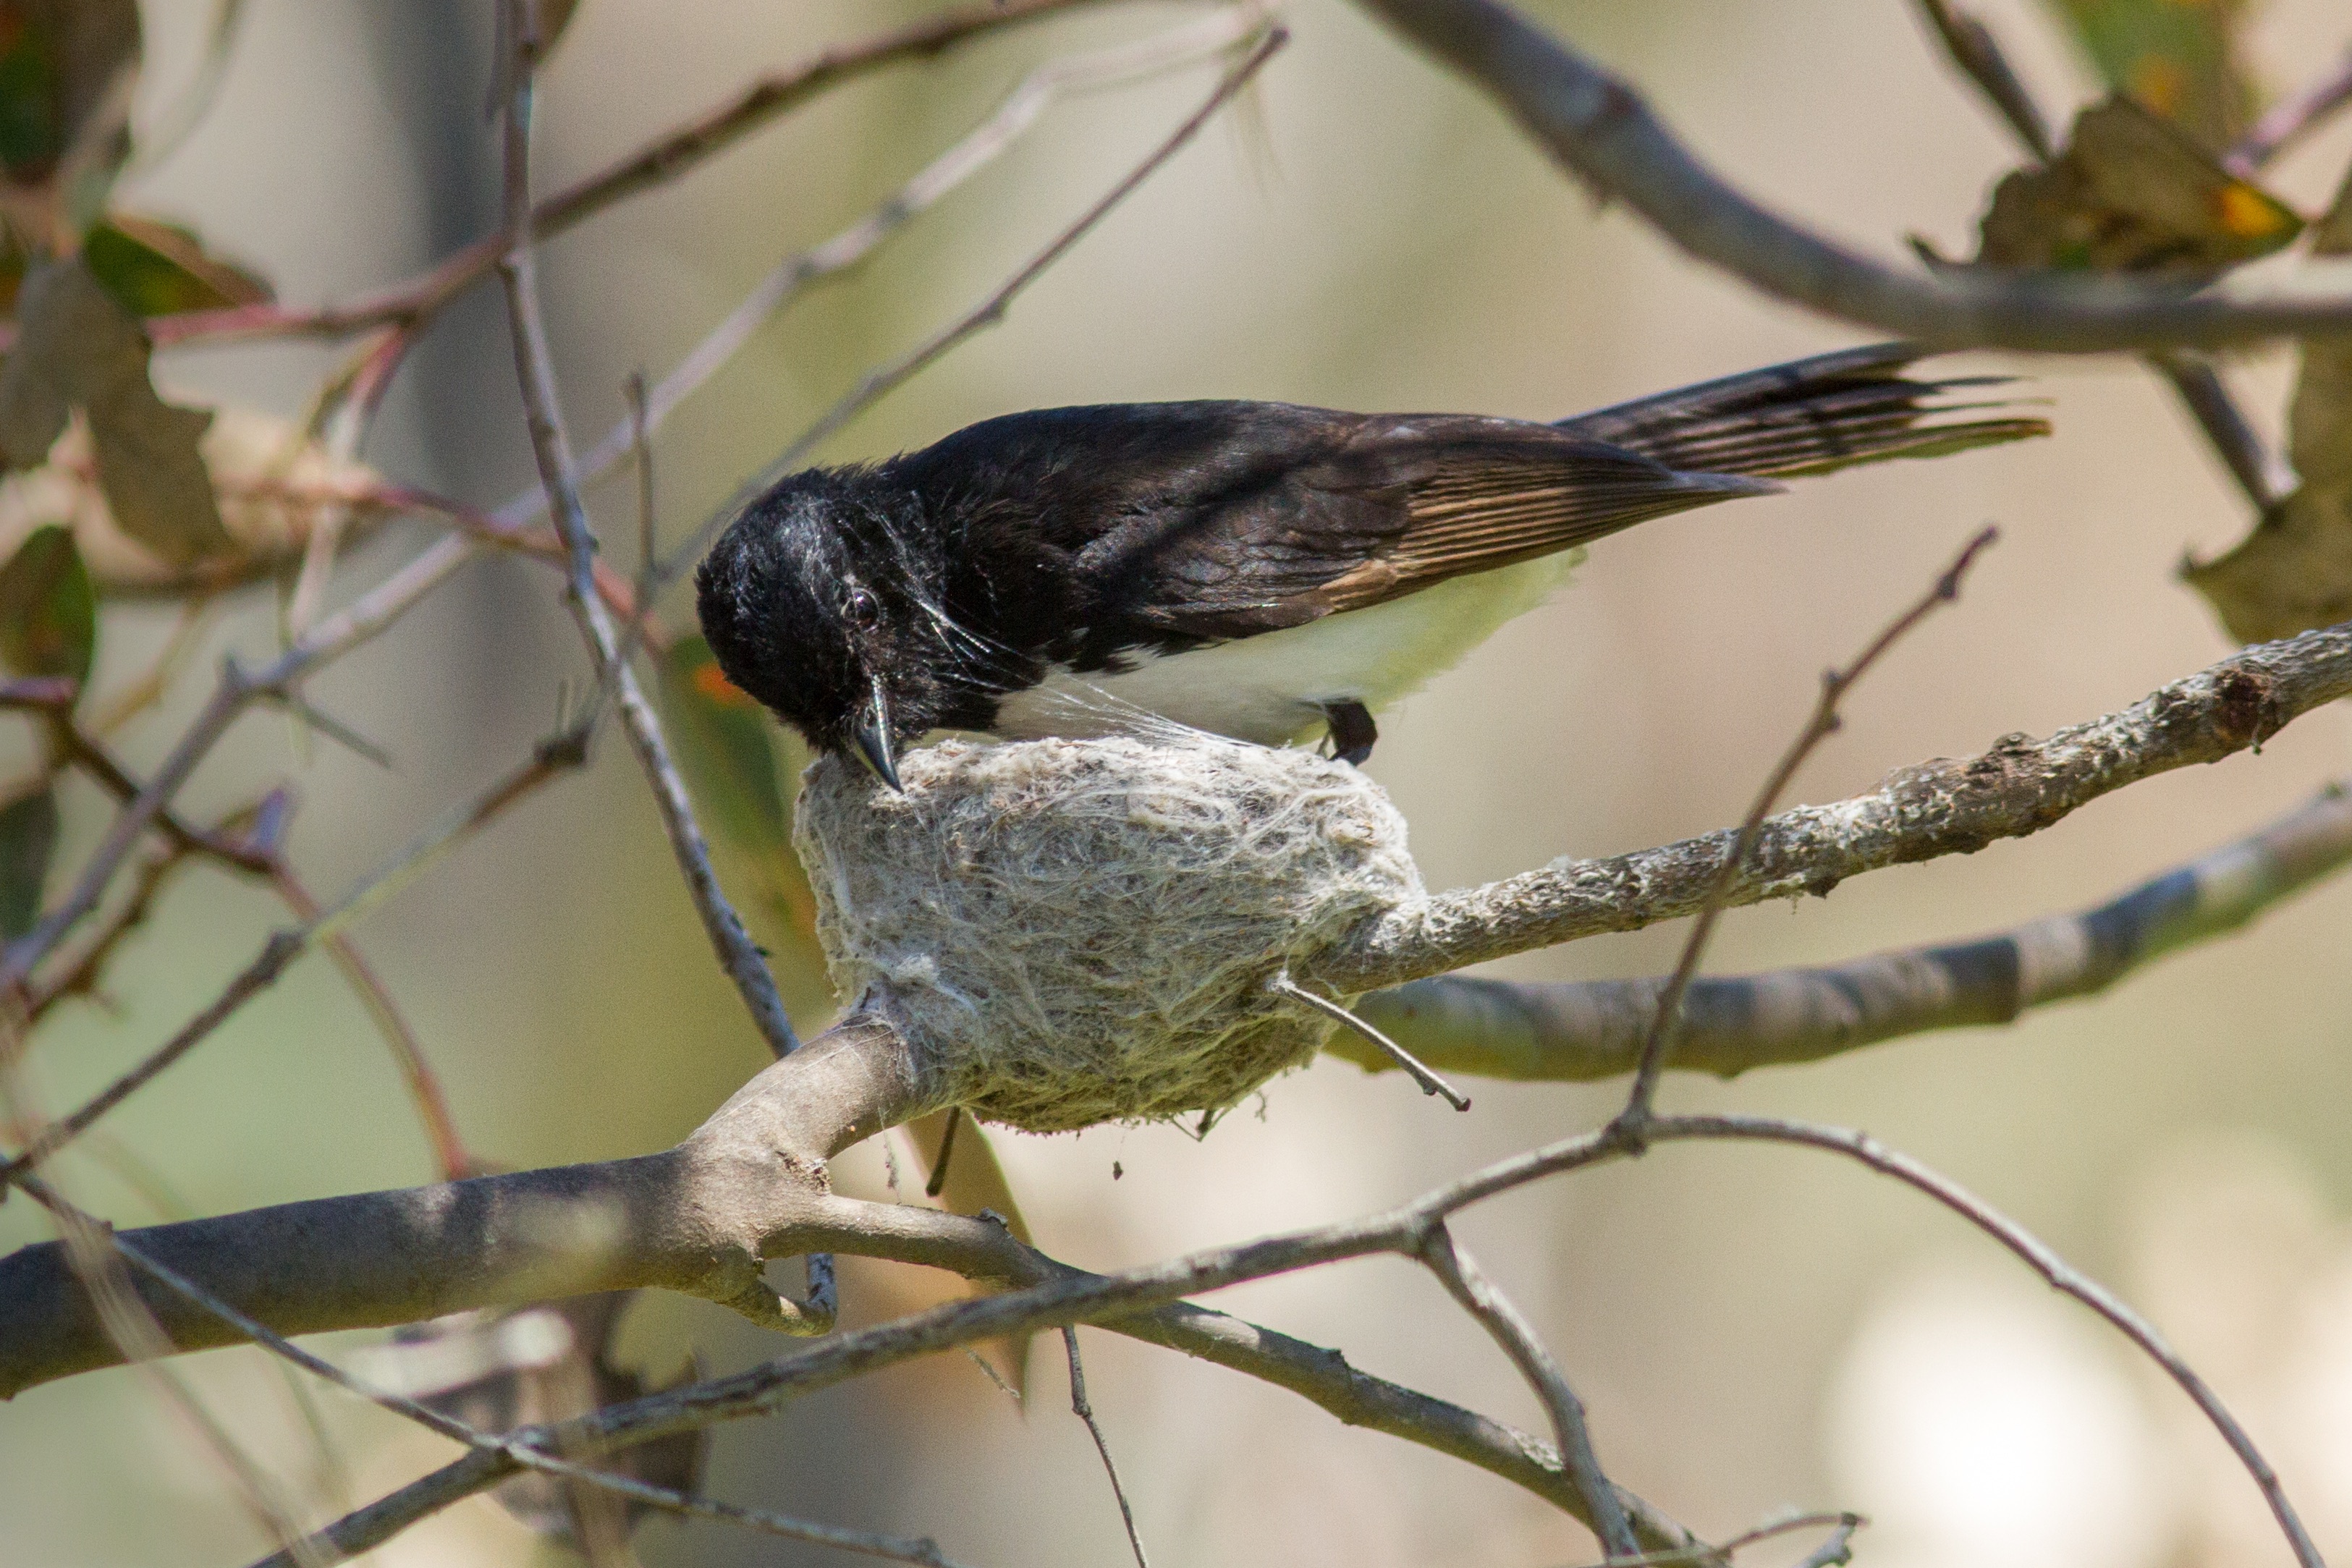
[1076, 932]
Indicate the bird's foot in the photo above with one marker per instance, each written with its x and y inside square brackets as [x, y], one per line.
[1351, 730]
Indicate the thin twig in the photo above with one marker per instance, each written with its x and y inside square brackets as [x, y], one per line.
[552, 448]
[1580, 1030]
[1508, 1327]
[80, 977]
[1840, 1525]
[413, 303]
[1819, 727]
[2037, 1255]
[2291, 119]
[938, 1183]
[2262, 474]
[1430, 1083]
[848, 248]
[879, 383]
[549, 760]
[76, 745]
[1598, 126]
[1973, 49]
[1086, 1412]
[518, 1446]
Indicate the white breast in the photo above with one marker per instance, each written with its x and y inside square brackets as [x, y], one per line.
[1269, 688]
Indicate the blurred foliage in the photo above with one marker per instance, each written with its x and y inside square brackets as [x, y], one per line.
[272, 479]
[2293, 572]
[2129, 192]
[2176, 58]
[67, 68]
[29, 837]
[76, 347]
[154, 269]
[729, 751]
[49, 614]
[48, 626]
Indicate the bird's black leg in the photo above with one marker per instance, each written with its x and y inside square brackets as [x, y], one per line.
[1352, 731]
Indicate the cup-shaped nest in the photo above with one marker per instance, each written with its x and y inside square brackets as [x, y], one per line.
[1075, 932]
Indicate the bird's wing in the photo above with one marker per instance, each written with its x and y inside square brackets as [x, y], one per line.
[1377, 507]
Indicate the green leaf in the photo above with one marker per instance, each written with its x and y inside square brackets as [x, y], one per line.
[49, 614]
[2176, 58]
[28, 836]
[67, 68]
[722, 743]
[154, 269]
[733, 756]
[78, 348]
[2131, 194]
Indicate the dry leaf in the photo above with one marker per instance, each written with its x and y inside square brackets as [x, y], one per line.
[2293, 572]
[2131, 194]
[78, 348]
[272, 480]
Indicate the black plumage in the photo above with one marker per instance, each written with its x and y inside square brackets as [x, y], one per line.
[1252, 567]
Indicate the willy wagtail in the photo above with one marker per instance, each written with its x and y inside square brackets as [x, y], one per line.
[1258, 569]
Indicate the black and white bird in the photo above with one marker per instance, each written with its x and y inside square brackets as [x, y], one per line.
[1262, 571]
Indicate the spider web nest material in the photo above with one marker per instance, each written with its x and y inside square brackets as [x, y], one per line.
[1077, 932]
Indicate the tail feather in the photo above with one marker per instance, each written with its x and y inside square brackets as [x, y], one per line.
[1807, 416]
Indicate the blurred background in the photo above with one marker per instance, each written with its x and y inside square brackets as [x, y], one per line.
[1751, 1329]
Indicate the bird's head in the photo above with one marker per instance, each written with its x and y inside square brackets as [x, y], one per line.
[823, 602]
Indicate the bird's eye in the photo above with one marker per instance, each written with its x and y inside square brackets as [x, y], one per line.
[861, 610]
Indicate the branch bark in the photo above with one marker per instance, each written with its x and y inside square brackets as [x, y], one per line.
[1581, 1030]
[1937, 807]
[748, 1185]
[1599, 129]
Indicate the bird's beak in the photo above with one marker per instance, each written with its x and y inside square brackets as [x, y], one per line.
[873, 737]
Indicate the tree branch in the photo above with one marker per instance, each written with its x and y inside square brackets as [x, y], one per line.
[1068, 1297]
[1580, 1030]
[1508, 1327]
[1597, 127]
[552, 448]
[1933, 808]
[412, 304]
[384, 1258]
